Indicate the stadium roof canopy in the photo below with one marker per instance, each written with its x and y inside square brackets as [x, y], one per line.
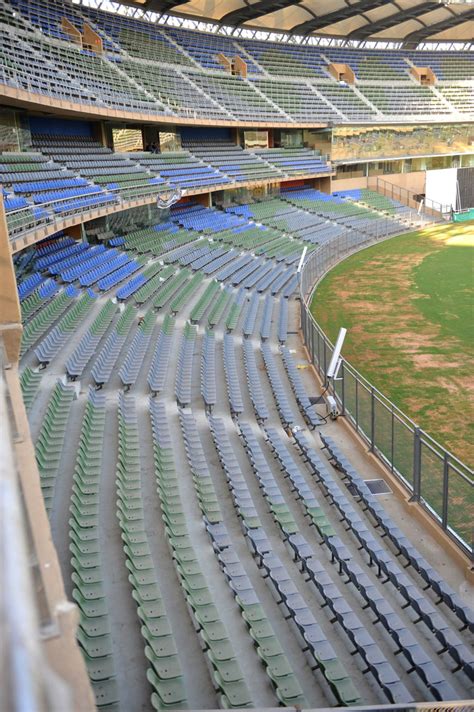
[408, 21]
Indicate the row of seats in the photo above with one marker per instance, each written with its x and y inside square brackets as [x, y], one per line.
[270, 652]
[164, 674]
[406, 643]
[107, 357]
[159, 366]
[133, 360]
[93, 633]
[51, 437]
[88, 344]
[45, 318]
[219, 653]
[185, 365]
[55, 340]
[400, 540]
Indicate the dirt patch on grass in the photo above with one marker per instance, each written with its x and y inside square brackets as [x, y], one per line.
[390, 341]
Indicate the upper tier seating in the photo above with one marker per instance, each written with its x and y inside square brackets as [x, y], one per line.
[175, 91]
[232, 160]
[298, 99]
[160, 71]
[138, 38]
[447, 66]
[281, 59]
[346, 101]
[204, 49]
[22, 67]
[48, 17]
[372, 65]
[31, 177]
[180, 168]
[102, 80]
[238, 97]
[293, 161]
[461, 97]
[98, 163]
[405, 99]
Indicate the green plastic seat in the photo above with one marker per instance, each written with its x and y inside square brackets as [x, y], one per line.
[105, 692]
[141, 563]
[197, 598]
[227, 670]
[99, 668]
[193, 582]
[346, 692]
[142, 577]
[92, 608]
[87, 561]
[214, 630]
[149, 609]
[235, 694]
[261, 629]
[184, 555]
[334, 670]
[277, 666]
[189, 568]
[137, 550]
[162, 647]
[219, 650]
[206, 614]
[95, 627]
[251, 612]
[171, 693]
[88, 590]
[95, 647]
[158, 627]
[268, 648]
[91, 575]
[167, 667]
[287, 694]
[146, 592]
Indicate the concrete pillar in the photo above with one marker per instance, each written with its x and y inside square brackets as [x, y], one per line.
[10, 312]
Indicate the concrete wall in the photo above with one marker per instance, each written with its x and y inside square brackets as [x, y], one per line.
[414, 182]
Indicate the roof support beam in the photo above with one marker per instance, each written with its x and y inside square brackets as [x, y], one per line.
[162, 5]
[344, 13]
[414, 38]
[252, 12]
[396, 19]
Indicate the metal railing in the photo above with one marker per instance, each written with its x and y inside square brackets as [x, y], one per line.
[431, 475]
[408, 197]
[24, 220]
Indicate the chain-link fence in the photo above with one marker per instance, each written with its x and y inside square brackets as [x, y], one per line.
[434, 477]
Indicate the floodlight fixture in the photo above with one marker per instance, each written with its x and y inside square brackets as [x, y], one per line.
[336, 360]
[302, 259]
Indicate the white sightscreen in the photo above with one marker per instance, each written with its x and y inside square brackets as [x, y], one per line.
[441, 187]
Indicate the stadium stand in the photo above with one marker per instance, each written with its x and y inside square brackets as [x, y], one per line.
[214, 528]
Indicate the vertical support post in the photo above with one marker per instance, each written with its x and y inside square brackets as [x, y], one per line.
[319, 352]
[372, 419]
[444, 511]
[325, 362]
[343, 389]
[357, 404]
[392, 440]
[416, 465]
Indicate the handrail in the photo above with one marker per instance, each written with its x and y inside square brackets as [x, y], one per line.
[411, 454]
[22, 220]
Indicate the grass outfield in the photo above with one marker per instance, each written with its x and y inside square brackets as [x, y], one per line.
[408, 306]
